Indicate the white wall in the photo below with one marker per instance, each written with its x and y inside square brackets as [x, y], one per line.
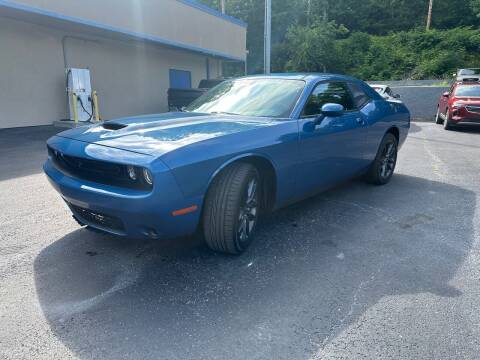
[31, 81]
[131, 78]
[167, 19]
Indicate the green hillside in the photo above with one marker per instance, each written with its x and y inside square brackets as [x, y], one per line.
[370, 39]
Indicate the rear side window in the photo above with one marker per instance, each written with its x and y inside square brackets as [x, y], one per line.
[328, 92]
[360, 97]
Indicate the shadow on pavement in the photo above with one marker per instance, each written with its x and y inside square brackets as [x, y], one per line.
[312, 271]
[414, 128]
[23, 150]
[469, 129]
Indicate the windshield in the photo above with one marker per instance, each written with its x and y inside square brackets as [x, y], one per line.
[468, 72]
[251, 97]
[473, 90]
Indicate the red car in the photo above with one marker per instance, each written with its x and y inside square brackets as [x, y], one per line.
[459, 105]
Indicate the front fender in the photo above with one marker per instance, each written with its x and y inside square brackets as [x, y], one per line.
[195, 166]
[240, 157]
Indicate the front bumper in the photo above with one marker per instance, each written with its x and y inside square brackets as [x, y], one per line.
[127, 212]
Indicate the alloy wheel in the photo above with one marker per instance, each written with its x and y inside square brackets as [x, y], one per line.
[388, 160]
[248, 214]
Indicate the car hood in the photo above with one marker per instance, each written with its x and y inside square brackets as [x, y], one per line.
[162, 133]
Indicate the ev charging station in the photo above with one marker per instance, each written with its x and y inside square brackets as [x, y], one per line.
[82, 101]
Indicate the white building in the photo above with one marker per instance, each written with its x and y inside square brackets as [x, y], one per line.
[134, 49]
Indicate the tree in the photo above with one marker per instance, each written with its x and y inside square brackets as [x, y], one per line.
[312, 48]
[475, 6]
[385, 38]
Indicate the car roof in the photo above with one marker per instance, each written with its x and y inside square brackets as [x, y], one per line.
[468, 83]
[302, 76]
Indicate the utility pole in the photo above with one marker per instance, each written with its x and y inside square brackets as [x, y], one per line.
[267, 36]
[429, 17]
[222, 9]
[309, 11]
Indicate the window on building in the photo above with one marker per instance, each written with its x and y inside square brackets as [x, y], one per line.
[180, 79]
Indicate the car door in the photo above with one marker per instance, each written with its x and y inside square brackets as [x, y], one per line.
[333, 150]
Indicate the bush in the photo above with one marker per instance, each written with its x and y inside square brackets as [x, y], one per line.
[412, 54]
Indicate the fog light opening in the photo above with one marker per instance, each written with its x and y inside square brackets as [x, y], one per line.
[151, 233]
[132, 174]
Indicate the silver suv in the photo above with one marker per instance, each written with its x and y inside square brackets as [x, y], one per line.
[472, 74]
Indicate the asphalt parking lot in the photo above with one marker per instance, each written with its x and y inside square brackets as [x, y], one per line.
[358, 272]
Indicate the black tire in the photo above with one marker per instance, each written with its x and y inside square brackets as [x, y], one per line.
[383, 166]
[447, 125]
[438, 119]
[232, 208]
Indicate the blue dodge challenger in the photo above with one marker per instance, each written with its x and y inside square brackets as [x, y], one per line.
[246, 147]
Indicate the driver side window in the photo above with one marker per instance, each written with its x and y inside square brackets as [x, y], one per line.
[328, 92]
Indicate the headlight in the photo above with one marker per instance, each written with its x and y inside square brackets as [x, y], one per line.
[147, 175]
[139, 177]
[132, 173]
[458, 104]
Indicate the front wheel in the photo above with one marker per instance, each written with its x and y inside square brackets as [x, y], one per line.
[438, 119]
[231, 209]
[383, 166]
[447, 124]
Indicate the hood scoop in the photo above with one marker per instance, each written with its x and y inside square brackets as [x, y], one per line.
[113, 126]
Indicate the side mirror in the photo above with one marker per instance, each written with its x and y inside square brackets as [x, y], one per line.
[446, 94]
[329, 110]
[332, 110]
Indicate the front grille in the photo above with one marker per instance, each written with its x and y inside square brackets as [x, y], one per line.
[472, 108]
[102, 172]
[96, 218]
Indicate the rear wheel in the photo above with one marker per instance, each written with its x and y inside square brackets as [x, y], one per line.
[383, 166]
[232, 208]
